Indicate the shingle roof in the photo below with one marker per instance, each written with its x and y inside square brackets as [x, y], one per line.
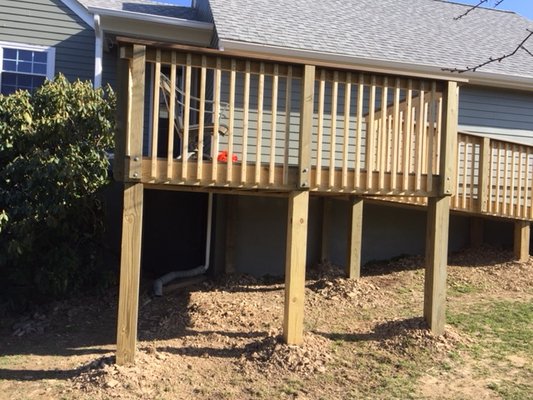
[421, 32]
[144, 7]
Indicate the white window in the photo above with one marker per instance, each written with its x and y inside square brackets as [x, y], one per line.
[24, 67]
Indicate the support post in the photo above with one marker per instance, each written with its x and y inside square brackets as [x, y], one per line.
[355, 231]
[295, 267]
[521, 240]
[130, 267]
[306, 126]
[439, 217]
[476, 232]
[326, 221]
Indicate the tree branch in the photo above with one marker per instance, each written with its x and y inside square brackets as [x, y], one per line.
[481, 2]
[521, 46]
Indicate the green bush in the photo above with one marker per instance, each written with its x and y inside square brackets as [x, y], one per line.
[52, 163]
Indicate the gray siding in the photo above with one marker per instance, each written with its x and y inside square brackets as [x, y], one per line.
[495, 108]
[51, 23]
[109, 65]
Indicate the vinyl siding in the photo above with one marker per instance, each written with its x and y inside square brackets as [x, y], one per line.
[504, 109]
[51, 23]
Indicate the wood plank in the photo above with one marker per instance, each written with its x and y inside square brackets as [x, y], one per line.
[448, 145]
[333, 129]
[436, 263]
[465, 171]
[259, 142]
[355, 234]
[432, 121]
[346, 139]
[306, 126]
[395, 133]
[383, 134]
[171, 118]
[420, 132]
[155, 111]
[371, 130]
[273, 124]
[320, 132]
[288, 108]
[231, 136]
[130, 268]
[521, 240]
[293, 321]
[186, 119]
[216, 120]
[359, 130]
[123, 118]
[407, 143]
[245, 122]
[484, 177]
[201, 118]
[512, 211]
[134, 147]
[506, 166]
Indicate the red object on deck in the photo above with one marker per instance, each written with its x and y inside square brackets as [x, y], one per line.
[223, 157]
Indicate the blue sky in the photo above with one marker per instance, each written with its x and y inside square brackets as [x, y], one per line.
[523, 7]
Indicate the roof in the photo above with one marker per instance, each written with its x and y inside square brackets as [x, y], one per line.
[415, 32]
[144, 7]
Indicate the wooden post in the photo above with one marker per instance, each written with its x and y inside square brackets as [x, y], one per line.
[355, 231]
[439, 217]
[134, 146]
[130, 267]
[476, 232]
[122, 117]
[521, 240]
[326, 222]
[484, 175]
[306, 126]
[295, 267]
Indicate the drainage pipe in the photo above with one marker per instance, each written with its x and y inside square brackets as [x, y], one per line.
[158, 283]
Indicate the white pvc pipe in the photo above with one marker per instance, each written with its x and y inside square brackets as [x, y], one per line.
[98, 51]
[158, 283]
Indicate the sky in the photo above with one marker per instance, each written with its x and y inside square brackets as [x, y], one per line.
[522, 7]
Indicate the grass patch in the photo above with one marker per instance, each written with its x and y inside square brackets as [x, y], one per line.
[511, 390]
[501, 328]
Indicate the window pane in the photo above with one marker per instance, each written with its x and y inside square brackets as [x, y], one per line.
[26, 55]
[6, 89]
[10, 65]
[9, 79]
[40, 57]
[37, 81]
[24, 81]
[39, 68]
[24, 66]
[10, 54]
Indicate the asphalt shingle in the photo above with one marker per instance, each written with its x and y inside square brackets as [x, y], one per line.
[421, 32]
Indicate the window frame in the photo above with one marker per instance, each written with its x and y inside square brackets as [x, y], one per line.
[50, 58]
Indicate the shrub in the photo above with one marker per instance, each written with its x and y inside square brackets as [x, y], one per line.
[52, 163]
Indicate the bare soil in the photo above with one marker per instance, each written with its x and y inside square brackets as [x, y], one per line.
[220, 339]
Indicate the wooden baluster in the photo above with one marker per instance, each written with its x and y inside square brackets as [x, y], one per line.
[216, 120]
[465, 172]
[431, 136]
[231, 136]
[505, 178]
[498, 177]
[519, 183]
[272, 166]
[419, 136]
[347, 100]
[155, 114]
[395, 135]
[201, 120]
[407, 135]
[513, 178]
[171, 118]
[245, 122]
[359, 131]
[484, 176]
[320, 132]
[383, 143]
[370, 132]
[259, 141]
[333, 130]
[186, 120]
[288, 106]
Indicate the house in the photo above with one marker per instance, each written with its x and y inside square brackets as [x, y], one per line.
[295, 121]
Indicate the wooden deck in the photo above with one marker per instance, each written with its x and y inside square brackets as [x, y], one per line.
[235, 122]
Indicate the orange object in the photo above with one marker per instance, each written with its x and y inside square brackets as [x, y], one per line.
[223, 157]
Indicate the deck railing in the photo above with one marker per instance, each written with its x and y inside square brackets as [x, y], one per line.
[216, 121]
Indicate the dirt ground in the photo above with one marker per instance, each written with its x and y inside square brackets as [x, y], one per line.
[220, 339]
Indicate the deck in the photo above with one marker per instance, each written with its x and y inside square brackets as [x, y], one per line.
[203, 119]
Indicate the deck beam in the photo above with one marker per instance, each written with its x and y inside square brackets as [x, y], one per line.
[297, 221]
[130, 268]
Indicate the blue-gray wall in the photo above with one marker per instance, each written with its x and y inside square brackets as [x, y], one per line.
[50, 23]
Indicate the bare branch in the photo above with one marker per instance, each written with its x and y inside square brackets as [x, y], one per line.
[481, 2]
[521, 46]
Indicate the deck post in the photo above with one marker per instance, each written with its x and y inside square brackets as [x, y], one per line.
[326, 221]
[130, 267]
[521, 240]
[438, 217]
[355, 232]
[306, 126]
[295, 267]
